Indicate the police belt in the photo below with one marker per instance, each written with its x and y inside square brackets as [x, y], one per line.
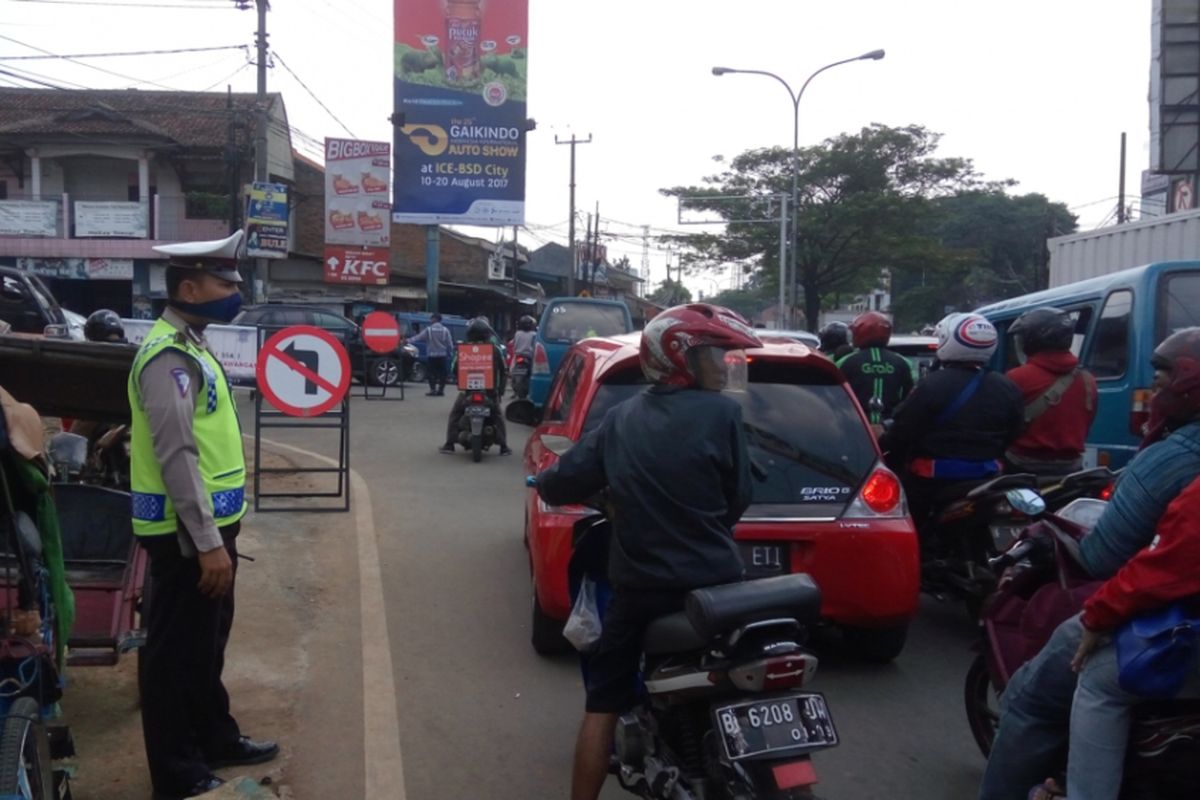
[954, 468]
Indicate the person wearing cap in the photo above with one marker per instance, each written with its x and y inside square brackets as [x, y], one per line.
[188, 477]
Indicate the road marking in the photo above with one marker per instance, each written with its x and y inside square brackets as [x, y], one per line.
[381, 722]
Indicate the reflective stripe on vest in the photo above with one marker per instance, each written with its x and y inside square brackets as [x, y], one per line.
[215, 428]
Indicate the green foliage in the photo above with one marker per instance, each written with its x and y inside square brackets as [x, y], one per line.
[424, 67]
[671, 293]
[206, 205]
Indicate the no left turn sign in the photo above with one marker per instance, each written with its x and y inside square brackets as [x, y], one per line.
[303, 371]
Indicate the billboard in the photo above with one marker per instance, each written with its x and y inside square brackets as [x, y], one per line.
[267, 221]
[357, 179]
[359, 265]
[460, 76]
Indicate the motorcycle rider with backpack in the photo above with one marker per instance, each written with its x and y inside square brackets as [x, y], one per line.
[1037, 703]
[480, 332]
[879, 378]
[1060, 396]
[957, 422]
[675, 461]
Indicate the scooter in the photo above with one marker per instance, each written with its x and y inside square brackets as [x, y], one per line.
[1043, 584]
[520, 376]
[477, 427]
[722, 710]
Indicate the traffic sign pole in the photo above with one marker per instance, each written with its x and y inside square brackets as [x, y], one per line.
[381, 334]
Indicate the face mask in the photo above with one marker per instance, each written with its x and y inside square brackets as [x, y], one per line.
[223, 310]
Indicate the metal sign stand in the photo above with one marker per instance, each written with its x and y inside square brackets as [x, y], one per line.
[337, 418]
[382, 394]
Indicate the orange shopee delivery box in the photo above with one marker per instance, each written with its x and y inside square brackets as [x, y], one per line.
[475, 367]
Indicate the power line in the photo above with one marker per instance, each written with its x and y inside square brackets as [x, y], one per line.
[108, 4]
[283, 64]
[126, 53]
[227, 77]
[82, 64]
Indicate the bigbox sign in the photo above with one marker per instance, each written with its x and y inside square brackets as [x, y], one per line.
[460, 78]
[357, 179]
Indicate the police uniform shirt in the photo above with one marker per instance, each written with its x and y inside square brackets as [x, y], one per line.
[169, 384]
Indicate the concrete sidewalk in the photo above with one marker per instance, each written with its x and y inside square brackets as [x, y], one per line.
[293, 666]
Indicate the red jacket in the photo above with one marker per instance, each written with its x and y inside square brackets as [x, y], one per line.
[1166, 571]
[1061, 430]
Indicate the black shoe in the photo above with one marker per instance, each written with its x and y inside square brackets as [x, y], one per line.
[200, 787]
[245, 751]
[505, 450]
[447, 449]
[441, 392]
[431, 394]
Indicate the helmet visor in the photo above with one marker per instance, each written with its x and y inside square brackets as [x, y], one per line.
[1019, 349]
[719, 370]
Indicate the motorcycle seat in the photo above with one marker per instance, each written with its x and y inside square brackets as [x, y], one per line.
[671, 634]
[716, 610]
[1020, 480]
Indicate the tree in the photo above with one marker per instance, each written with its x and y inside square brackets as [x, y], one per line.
[865, 203]
[995, 247]
[671, 293]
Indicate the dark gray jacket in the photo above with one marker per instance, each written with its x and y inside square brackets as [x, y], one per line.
[676, 463]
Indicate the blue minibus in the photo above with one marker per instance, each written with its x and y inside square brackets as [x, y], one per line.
[565, 321]
[1119, 319]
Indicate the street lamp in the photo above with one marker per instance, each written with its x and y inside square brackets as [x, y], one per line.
[874, 55]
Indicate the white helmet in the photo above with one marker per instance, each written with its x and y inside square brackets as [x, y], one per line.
[965, 337]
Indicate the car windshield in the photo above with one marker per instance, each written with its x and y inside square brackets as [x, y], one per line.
[805, 437]
[571, 321]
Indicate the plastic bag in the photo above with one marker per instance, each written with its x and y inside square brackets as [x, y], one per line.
[582, 628]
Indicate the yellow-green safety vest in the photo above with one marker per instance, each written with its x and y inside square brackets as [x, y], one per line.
[216, 429]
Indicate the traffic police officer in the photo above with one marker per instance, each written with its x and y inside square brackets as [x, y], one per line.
[188, 477]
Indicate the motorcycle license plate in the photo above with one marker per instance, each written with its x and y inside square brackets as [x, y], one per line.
[477, 411]
[763, 560]
[773, 724]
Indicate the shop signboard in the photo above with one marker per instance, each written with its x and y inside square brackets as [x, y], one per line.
[460, 86]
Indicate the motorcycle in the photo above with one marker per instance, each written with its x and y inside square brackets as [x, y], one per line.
[1044, 584]
[477, 427]
[969, 529]
[520, 376]
[722, 710]
[100, 460]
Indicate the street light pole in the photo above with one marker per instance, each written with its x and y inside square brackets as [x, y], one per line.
[874, 55]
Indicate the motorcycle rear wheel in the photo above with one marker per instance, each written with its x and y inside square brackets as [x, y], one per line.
[981, 700]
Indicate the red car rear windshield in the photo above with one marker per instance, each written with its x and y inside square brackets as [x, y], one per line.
[807, 438]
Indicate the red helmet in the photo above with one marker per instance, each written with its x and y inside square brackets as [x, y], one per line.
[871, 329]
[1179, 355]
[670, 335]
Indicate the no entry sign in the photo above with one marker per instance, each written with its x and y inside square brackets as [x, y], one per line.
[303, 371]
[380, 332]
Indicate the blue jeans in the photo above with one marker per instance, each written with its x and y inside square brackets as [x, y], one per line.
[1100, 722]
[1035, 713]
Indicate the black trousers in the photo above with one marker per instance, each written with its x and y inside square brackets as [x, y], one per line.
[185, 708]
[456, 415]
[436, 373]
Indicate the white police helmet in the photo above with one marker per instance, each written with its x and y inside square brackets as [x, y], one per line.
[965, 337]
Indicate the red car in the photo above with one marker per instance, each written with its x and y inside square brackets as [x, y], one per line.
[826, 506]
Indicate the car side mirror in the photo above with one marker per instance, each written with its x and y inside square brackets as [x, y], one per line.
[522, 412]
[558, 445]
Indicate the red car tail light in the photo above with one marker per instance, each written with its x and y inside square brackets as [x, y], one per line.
[541, 362]
[777, 672]
[1107, 492]
[881, 496]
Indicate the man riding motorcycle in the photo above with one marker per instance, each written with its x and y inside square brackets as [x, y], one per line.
[1060, 396]
[104, 326]
[1036, 705]
[835, 340]
[676, 463]
[957, 422]
[879, 378]
[480, 332]
[525, 339]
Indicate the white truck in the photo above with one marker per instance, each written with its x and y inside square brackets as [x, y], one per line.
[1174, 237]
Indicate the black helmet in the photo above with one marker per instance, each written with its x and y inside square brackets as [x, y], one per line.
[834, 335]
[1043, 329]
[479, 330]
[104, 326]
[526, 323]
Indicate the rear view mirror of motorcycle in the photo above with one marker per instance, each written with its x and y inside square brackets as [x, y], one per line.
[1027, 501]
[68, 453]
[558, 445]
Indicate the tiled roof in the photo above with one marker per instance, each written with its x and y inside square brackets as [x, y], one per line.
[189, 119]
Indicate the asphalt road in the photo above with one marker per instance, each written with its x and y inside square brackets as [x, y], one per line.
[481, 715]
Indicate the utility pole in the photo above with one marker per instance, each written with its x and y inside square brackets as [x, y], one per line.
[595, 250]
[645, 261]
[1121, 220]
[232, 162]
[516, 276]
[571, 225]
[260, 135]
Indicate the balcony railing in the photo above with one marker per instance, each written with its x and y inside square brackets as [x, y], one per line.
[69, 216]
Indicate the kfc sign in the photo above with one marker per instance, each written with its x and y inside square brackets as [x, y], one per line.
[367, 265]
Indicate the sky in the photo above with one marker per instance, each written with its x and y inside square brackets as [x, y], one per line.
[1038, 91]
